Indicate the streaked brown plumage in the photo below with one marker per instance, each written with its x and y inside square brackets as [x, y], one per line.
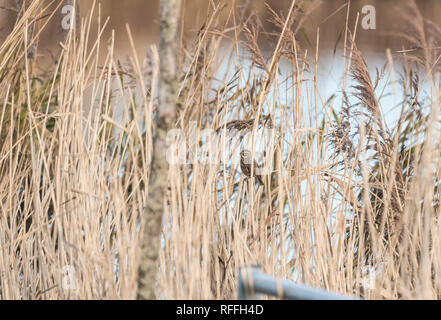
[245, 165]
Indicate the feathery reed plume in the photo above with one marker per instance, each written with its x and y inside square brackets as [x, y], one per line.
[239, 125]
[369, 149]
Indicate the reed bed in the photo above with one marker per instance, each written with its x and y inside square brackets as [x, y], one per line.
[349, 203]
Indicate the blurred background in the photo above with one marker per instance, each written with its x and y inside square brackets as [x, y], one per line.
[326, 18]
[329, 16]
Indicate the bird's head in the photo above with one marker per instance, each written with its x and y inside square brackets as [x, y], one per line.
[245, 156]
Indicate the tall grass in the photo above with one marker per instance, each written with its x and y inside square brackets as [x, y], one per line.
[73, 176]
[351, 204]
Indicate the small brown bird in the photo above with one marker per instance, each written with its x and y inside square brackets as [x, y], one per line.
[245, 165]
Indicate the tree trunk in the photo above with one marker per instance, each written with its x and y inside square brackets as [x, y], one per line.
[165, 119]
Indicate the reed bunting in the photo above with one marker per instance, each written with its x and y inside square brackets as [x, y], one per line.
[245, 165]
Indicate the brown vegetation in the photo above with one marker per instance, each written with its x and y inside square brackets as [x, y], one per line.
[350, 205]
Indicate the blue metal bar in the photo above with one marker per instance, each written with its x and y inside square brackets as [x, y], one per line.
[253, 280]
